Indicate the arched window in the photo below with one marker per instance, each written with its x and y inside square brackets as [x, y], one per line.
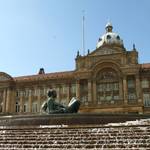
[107, 85]
[108, 37]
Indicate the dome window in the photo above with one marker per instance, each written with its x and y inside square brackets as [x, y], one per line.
[118, 37]
[108, 37]
[99, 39]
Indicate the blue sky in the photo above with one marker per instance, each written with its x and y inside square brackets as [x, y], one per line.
[48, 33]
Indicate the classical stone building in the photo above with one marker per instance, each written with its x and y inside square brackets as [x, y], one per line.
[106, 80]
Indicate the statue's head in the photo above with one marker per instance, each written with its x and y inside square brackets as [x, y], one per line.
[52, 93]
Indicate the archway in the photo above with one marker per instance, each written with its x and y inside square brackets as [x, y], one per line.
[107, 85]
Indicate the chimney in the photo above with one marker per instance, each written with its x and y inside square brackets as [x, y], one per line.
[41, 71]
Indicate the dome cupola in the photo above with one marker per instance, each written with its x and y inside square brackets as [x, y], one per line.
[109, 27]
[109, 37]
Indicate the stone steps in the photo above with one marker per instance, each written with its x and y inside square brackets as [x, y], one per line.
[77, 146]
[121, 137]
[28, 133]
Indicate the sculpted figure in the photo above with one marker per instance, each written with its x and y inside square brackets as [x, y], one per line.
[51, 106]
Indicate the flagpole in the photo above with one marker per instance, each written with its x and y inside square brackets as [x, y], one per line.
[83, 32]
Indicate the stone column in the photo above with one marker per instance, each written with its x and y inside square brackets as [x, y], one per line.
[138, 89]
[58, 94]
[120, 89]
[68, 93]
[21, 103]
[38, 99]
[94, 92]
[89, 90]
[78, 89]
[4, 101]
[13, 100]
[125, 92]
[30, 101]
[8, 99]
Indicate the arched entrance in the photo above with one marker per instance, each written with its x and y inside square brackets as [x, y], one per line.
[108, 83]
[107, 86]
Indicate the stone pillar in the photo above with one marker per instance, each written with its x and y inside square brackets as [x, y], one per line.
[8, 99]
[4, 101]
[94, 92]
[13, 101]
[21, 103]
[138, 89]
[38, 99]
[120, 89]
[68, 93]
[125, 92]
[30, 101]
[78, 89]
[58, 94]
[89, 90]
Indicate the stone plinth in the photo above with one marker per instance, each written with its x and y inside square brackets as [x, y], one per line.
[68, 119]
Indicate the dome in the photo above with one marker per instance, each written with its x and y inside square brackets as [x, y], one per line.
[109, 37]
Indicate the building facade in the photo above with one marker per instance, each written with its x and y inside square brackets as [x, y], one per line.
[106, 80]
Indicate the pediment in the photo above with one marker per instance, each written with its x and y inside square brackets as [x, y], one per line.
[5, 77]
[106, 51]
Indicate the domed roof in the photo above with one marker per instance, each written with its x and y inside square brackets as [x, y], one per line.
[109, 37]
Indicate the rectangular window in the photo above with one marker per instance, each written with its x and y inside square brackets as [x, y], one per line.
[41, 92]
[108, 87]
[100, 88]
[63, 89]
[131, 96]
[73, 88]
[116, 97]
[45, 91]
[35, 92]
[116, 86]
[21, 93]
[102, 98]
[146, 98]
[26, 92]
[25, 107]
[34, 107]
[84, 87]
[131, 84]
[84, 98]
[108, 98]
[145, 83]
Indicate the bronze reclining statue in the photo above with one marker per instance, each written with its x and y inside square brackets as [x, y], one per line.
[51, 106]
